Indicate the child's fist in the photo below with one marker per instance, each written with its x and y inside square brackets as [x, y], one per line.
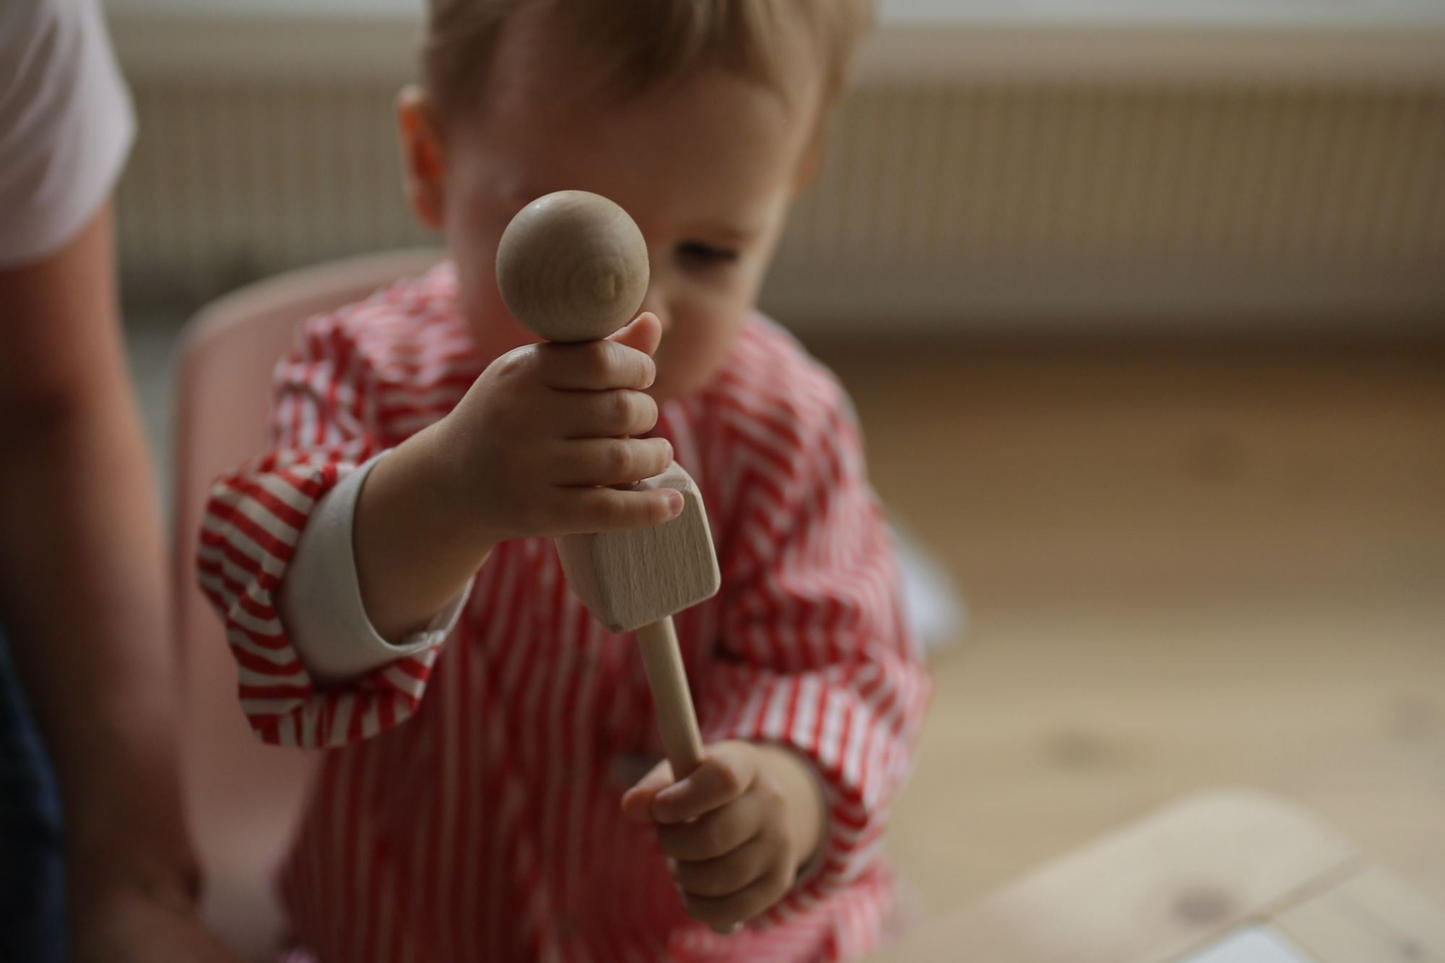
[539, 437]
[736, 830]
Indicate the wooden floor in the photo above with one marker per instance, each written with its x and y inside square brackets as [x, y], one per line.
[1186, 568]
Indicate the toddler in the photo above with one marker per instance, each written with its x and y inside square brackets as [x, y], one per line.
[490, 787]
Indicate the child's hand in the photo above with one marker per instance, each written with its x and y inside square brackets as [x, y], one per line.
[523, 454]
[541, 431]
[737, 830]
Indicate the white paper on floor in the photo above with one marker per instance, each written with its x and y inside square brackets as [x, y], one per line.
[931, 600]
[1257, 945]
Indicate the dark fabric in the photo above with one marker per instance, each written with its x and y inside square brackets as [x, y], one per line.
[32, 891]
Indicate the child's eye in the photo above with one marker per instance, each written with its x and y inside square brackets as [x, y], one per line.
[705, 255]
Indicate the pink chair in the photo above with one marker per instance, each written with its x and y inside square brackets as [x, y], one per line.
[243, 797]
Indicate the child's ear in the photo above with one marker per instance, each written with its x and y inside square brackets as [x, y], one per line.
[421, 154]
[811, 164]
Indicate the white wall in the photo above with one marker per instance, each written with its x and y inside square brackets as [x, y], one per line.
[1056, 175]
[1342, 13]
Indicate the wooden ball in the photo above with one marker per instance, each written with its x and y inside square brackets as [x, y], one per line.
[572, 266]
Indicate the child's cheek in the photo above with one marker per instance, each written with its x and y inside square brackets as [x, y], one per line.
[696, 345]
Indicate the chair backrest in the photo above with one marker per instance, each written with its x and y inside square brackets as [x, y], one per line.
[243, 798]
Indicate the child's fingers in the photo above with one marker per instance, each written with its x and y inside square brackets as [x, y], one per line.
[723, 911]
[611, 510]
[730, 873]
[726, 774]
[611, 461]
[716, 834]
[605, 414]
[637, 801]
[644, 333]
[595, 366]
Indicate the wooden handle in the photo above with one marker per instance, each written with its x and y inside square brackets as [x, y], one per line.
[662, 660]
[666, 677]
[668, 680]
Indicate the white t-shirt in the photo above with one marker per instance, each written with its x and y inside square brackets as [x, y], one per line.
[65, 123]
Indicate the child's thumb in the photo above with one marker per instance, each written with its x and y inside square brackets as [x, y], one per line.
[644, 333]
[637, 801]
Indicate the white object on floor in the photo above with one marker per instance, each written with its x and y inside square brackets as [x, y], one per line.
[931, 601]
[1255, 945]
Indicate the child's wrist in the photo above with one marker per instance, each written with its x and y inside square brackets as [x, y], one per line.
[412, 551]
[440, 477]
[806, 807]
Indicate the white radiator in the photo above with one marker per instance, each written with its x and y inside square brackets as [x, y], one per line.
[981, 176]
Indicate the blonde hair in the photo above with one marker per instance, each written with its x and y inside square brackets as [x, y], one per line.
[647, 44]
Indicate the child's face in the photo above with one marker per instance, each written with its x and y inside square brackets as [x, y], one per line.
[707, 169]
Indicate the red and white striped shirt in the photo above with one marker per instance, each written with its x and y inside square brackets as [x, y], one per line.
[487, 827]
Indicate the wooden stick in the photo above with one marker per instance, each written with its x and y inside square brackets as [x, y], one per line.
[666, 677]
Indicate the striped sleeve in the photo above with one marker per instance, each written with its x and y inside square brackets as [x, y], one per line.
[815, 654]
[321, 430]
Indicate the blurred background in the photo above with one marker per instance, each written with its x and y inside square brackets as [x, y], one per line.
[1142, 303]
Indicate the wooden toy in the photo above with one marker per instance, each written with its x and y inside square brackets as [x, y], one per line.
[572, 266]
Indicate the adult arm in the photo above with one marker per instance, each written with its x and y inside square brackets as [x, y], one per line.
[84, 603]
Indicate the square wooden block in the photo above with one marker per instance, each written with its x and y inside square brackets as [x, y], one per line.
[632, 578]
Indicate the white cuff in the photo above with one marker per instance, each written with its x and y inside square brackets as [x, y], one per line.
[321, 605]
